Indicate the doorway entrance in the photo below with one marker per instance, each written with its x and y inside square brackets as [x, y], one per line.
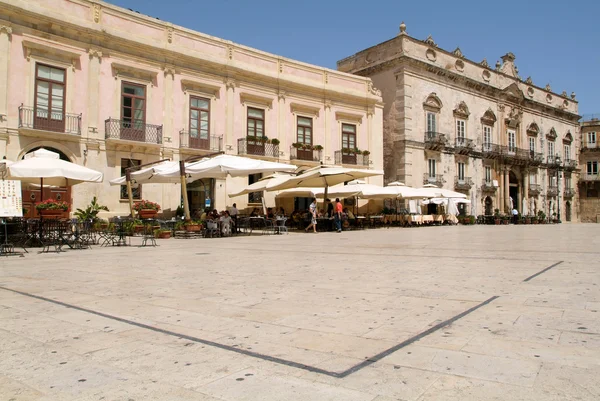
[488, 206]
[200, 196]
[513, 191]
[568, 211]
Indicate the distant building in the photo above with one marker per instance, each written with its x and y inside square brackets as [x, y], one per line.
[589, 159]
[472, 127]
[110, 88]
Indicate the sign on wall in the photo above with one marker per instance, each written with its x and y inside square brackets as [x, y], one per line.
[11, 201]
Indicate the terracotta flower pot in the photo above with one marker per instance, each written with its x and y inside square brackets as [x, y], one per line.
[192, 227]
[50, 212]
[147, 213]
[164, 235]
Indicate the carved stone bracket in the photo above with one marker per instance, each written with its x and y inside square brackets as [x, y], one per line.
[6, 29]
[170, 34]
[169, 70]
[97, 13]
[95, 53]
[230, 83]
[373, 90]
[281, 95]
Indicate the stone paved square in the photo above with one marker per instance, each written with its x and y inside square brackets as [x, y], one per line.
[432, 313]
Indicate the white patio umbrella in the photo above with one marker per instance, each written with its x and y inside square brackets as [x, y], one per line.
[395, 184]
[150, 175]
[301, 193]
[47, 168]
[261, 185]
[435, 192]
[324, 177]
[362, 190]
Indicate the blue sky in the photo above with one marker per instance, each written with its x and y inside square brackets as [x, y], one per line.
[554, 42]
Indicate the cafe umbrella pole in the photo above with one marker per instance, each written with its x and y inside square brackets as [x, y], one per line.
[129, 192]
[186, 205]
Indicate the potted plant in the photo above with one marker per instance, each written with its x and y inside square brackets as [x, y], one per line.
[541, 217]
[497, 218]
[51, 208]
[366, 153]
[250, 138]
[263, 139]
[146, 209]
[471, 220]
[318, 148]
[192, 226]
[90, 213]
[527, 219]
[357, 151]
[534, 220]
[164, 234]
[297, 145]
[345, 150]
[275, 141]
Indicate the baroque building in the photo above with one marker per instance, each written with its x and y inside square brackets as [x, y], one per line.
[110, 88]
[473, 127]
[589, 159]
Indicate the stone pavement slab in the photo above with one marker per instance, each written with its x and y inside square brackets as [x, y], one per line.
[433, 313]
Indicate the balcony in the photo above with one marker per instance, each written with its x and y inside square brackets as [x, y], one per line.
[490, 150]
[553, 161]
[349, 157]
[570, 165]
[535, 159]
[569, 193]
[136, 131]
[589, 177]
[195, 141]
[521, 157]
[258, 147]
[437, 180]
[552, 192]
[535, 189]
[42, 120]
[488, 186]
[464, 146]
[463, 184]
[435, 140]
[311, 155]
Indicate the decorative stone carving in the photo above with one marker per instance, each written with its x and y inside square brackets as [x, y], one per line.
[548, 88]
[516, 114]
[484, 63]
[95, 53]
[498, 65]
[568, 138]
[431, 54]
[169, 70]
[508, 66]
[573, 95]
[430, 41]
[551, 135]
[373, 90]
[280, 65]
[458, 53]
[548, 98]
[327, 104]
[486, 75]
[433, 103]
[501, 108]
[281, 95]
[96, 13]
[459, 65]
[461, 110]
[325, 77]
[230, 83]
[402, 28]
[170, 34]
[533, 129]
[564, 94]
[230, 52]
[529, 81]
[488, 118]
[530, 92]
[5, 29]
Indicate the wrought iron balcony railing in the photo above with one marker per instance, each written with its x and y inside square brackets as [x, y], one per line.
[305, 154]
[257, 147]
[570, 164]
[552, 191]
[553, 161]
[535, 189]
[356, 159]
[195, 141]
[569, 193]
[44, 120]
[463, 145]
[434, 179]
[490, 150]
[137, 131]
[590, 177]
[435, 140]
[535, 158]
[464, 183]
[488, 186]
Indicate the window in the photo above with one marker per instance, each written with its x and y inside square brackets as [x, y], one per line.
[487, 137]
[199, 118]
[254, 197]
[550, 148]
[567, 182]
[552, 182]
[348, 136]
[431, 169]
[461, 171]
[591, 139]
[592, 168]
[532, 144]
[431, 122]
[133, 111]
[567, 152]
[460, 132]
[511, 141]
[532, 179]
[137, 191]
[49, 98]
[256, 122]
[488, 174]
[304, 130]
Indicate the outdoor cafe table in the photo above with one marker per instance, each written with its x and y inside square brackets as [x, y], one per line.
[427, 219]
[438, 218]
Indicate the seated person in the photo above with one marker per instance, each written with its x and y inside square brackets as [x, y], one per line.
[205, 214]
[280, 212]
[321, 213]
[270, 214]
[349, 214]
[254, 213]
[226, 223]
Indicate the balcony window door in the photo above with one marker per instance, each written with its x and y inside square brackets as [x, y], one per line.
[431, 124]
[592, 168]
[591, 139]
[567, 183]
[532, 179]
[49, 98]
[133, 112]
[512, 145]
[304, 137]
[348, 143]
[488, 175]
[461, 172]
[199, 123]
[431, 169]
[460, 132]
[487, 138]
[255, 131]
[567, 152]
[550, 150]
[532, 144]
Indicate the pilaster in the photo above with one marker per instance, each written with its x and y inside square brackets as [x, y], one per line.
[328, 153]
[168, 132]
[5, 36]
[282, 133]
[93, 106]
[230, 85]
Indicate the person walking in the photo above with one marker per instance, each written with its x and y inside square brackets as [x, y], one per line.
[338, 215]
[234, 216]
[515, 215]
[313, 216]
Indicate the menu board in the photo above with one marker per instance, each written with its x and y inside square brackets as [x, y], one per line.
[11, 199]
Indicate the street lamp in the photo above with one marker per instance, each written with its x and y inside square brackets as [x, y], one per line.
[558, 176]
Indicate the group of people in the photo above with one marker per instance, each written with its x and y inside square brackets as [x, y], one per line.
[333, 211]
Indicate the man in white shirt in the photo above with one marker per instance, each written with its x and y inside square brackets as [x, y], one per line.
[234, 214]
[515, 215]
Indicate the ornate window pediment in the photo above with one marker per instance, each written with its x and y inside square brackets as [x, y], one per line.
[433, 103]
[513, 90]
[462, 111]
[533, 129]
[551, 136]
[489, 118]
[568, 138]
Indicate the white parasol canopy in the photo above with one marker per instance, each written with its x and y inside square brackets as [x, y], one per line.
[396, 184]
[362, 190]
[324, 177]
[261, 185]
[151, 175]
[301, 193]
[435, 192]
[45, 165]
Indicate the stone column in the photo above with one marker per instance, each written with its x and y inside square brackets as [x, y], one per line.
[500, 194]
[507, 189]
[282, 133]
[168, 105]
[327, 150]
[5, 33]
[229, 112]
[526, 189]
[93, 92]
